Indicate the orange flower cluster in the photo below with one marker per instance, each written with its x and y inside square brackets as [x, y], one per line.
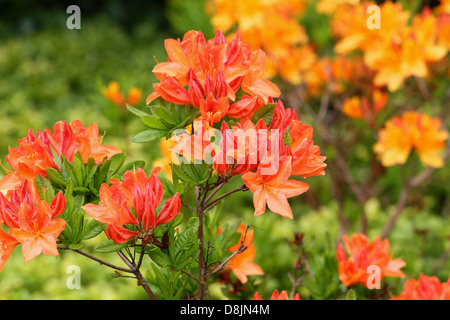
[213, 72]
[242, 264]
[283, 39]
[397, 50]
[270, 182]
[353, 269]
[330, 6]
[34, 154]
[113, 94]
[425, 288]
[337, 75]
[138, 194]
[265, 155]
[411, 130]
[277, 296]
[360, 108]
[260, 154]
[30, 222]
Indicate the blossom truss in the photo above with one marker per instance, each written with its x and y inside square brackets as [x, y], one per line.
[36, 153]
[425, 288]
[362, 254]
[30, 222]
[266, 156]
[129, 207]
[411, 131]
[210, 75]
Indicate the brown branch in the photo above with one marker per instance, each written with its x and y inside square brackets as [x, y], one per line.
[241, 188]
[404, 194]
[87, 255]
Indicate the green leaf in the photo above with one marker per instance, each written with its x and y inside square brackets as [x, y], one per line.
[350, 295]
[91, 229]
[185, 248]
[44, 183]
[159, 257]
[79, 169]
[154, 122]
[132, 165]
[76, 246]
[136, 111]
[103, 172]
[55, 177]
[265, 113]
[117, 162]
[109, 246]
[149, 135]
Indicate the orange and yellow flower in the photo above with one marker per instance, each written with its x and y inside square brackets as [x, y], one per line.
[274, 190]
[284, 39]
[242, 264]
[31, 222]
[31, 158]
[360, 108]
[270, 183]
[398, 50]
[68, 139]
[213, 72]
[425, 288]
[411, 130]
[34, 155]
[113, 94]
[361, 254]
[133, 201]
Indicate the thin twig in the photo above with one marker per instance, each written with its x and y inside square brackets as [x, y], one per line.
[188, 206]
[112, 266]
[241, 188]
[241, 249]
[214, 192]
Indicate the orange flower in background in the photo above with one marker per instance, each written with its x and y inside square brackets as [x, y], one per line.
[361, 255]
[444, 7]
[30, 159]
[67, 139]
[165, 147]
[330, 6]
[133, 201]
[360, 108]
[277, 296]
[411, 130]
[113, 94]
[398, 50]
[425, 288]
[242, 264]
[336, 75]
[284, 40]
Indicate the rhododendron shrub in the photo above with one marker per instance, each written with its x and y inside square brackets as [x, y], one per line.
[222, 121]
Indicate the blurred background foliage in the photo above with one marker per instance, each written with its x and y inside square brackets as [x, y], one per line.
[49, 73]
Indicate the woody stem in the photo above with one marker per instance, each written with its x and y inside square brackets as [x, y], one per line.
[201, 255]
[135, 270]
